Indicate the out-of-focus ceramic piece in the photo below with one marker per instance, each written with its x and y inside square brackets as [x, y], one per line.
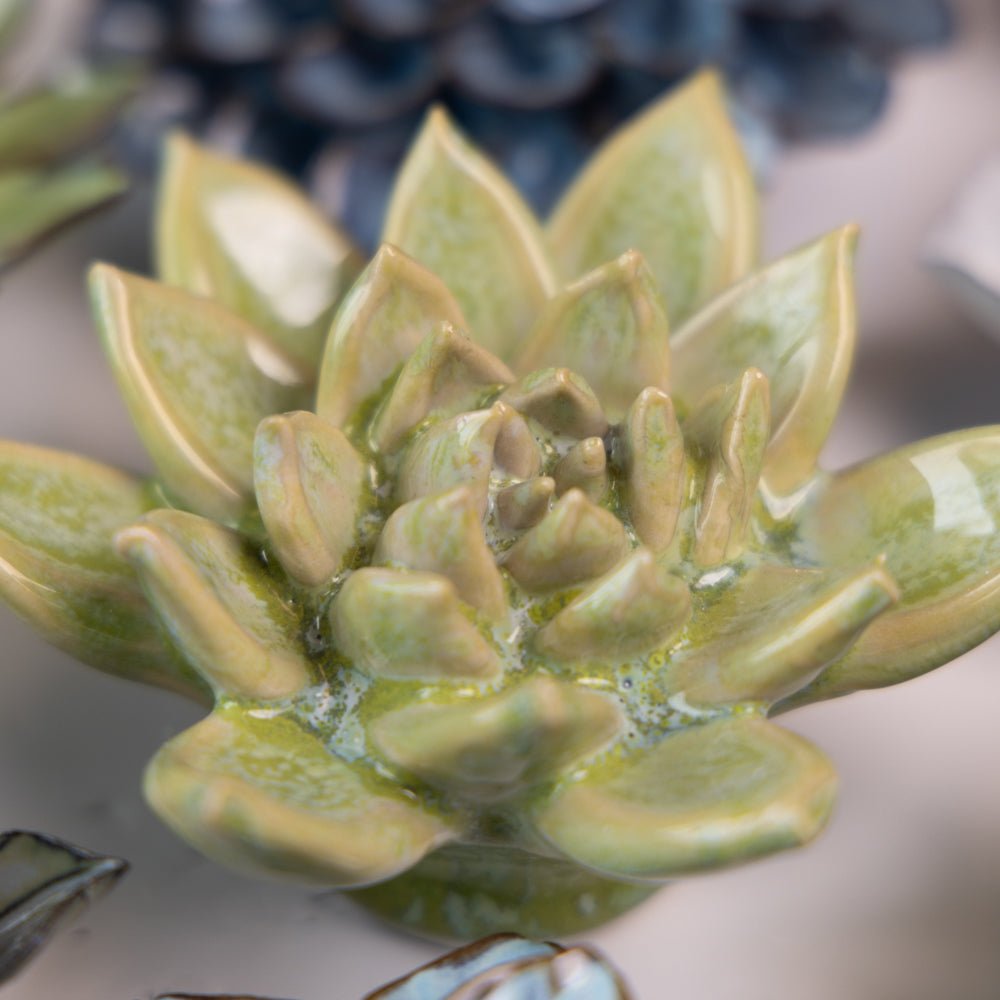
[963, 248]
[44, 883]
[493, 628]
[46, 180]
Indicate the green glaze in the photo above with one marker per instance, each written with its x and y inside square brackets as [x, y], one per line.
[251, 240]
[58, 517]
[197, 380]
[674, 184]
[458, 894]
[495, 632]
[460, 217]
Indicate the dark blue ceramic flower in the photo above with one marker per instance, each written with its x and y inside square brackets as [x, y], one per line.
[333, 88]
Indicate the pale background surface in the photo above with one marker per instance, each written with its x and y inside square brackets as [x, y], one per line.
[899, 900]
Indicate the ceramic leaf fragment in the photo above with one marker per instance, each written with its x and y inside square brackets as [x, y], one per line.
[44, 884]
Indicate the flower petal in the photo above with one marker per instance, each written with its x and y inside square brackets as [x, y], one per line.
[459, 216]
[674, 184]
[632, 610]
[312, 489]
[244, 236]
[715, 794]
[446, 374]
[444, 534]
[43, 884]
[611, 327]
[794, 319]
[59, 571]
[221, 609]
[575, 541]
[468, 448]
[385, 316]
[409, 624]
[197, 381]
[265, 796]
[775, 629]
[498, 745]
[933, 509]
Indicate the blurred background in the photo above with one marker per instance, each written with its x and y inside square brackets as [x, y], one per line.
[868, 111]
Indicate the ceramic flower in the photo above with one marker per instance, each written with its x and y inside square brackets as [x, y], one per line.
[44, 883]
[495, 559]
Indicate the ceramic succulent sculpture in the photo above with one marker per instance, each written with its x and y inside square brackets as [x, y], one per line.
[44, 883]
[44, 183]
[495, 558]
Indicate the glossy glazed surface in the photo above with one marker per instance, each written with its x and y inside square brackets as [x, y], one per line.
[588, 680]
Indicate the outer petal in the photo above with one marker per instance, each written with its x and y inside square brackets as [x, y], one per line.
[611, 328]
[264, 796]
[707, 796]
[794, 320]
[44, 883]
[58, 569]
[221, 609]
[244, 236]
[197, 381]
[675, 185]
[934, 510]
[459, 216]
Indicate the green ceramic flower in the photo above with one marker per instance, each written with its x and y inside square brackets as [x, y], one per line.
[495, 559]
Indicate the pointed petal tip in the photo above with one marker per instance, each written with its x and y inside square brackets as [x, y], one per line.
[133, 543]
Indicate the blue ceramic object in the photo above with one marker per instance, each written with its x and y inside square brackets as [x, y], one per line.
[507, 967]
[332, 89]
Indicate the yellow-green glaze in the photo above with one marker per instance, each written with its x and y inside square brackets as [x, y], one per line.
[494, 626]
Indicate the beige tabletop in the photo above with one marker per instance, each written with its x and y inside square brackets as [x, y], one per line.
[899, 900]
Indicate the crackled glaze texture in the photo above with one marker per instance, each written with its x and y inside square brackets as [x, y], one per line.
[495, 588]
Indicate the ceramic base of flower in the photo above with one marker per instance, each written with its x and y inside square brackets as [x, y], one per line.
[461, 893]
[506, 546]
